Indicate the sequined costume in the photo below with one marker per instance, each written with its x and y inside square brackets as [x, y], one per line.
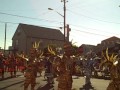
[64, 78]
[115, 77]
[30, 77]
[114, 66]
[12, 65]
[65, 69]
[31, 69]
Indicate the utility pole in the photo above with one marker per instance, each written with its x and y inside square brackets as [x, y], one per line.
[64, 1]
[5, 37]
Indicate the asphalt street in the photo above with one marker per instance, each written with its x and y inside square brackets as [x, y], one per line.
[16, 83]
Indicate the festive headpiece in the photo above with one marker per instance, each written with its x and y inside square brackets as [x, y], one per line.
[109, 59]
[36, 45]
[50, 50]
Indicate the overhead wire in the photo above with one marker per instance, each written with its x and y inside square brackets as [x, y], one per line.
[37, 19]
[28, 17]
[72, 28]
[78, 30]
[84, 27]
[40, 19]
[76, 13]
[28, 23]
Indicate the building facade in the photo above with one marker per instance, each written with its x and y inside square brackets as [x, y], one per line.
[26, 35]
[111, 43]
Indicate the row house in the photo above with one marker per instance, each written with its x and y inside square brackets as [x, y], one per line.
[85, 48]
[111, 43]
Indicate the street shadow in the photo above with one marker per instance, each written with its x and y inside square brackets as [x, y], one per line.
[46, 87]
[4, 88]
[87, 87]
[9, 77]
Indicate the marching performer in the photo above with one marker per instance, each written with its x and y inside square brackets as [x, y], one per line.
[88, 66]
[12, 65]
[65, 69]
[30, 77]
[50, 57]
[31, 69]
[114, 64]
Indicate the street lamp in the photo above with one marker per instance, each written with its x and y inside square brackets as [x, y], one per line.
[55, 11]
[64, 16]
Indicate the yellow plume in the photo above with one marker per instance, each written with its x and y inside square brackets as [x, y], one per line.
[107, 56]
[36, 45]
[50, 50]
[53, 52]
[104, 56]
[115, 57]
[41, 53]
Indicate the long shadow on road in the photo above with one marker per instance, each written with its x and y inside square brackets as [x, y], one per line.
[46, 87]
[87, 87]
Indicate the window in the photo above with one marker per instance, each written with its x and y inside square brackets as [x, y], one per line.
[18, 32]
[16, 42]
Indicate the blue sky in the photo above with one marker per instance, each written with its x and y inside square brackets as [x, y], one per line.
[90, 20]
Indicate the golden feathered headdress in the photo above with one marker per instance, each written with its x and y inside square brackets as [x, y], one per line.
[51, 51]
[108, 59]
[36, 45]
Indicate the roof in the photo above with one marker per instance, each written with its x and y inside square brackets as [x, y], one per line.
[41, 32]
[111, 38]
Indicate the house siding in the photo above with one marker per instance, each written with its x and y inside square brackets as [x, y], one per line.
[27, 37]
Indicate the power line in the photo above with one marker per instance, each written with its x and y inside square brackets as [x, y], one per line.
[27, 23]
[92, 29]
[59, 27]
[92, 17]
[90, 32]
[28, 17]
[70, 24]
[45, 20]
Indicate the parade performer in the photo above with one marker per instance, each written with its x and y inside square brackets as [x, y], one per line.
[21, 62]
[88, 66]
[48, 71]
[114, 65]
[6, 64]
[41, 66]
[65, 69]
[96, 64]
[30, 77]
[50, 57]
[31, 69]
[12, 65]
[1, 65]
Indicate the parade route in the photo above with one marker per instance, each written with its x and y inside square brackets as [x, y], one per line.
[16, 83]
